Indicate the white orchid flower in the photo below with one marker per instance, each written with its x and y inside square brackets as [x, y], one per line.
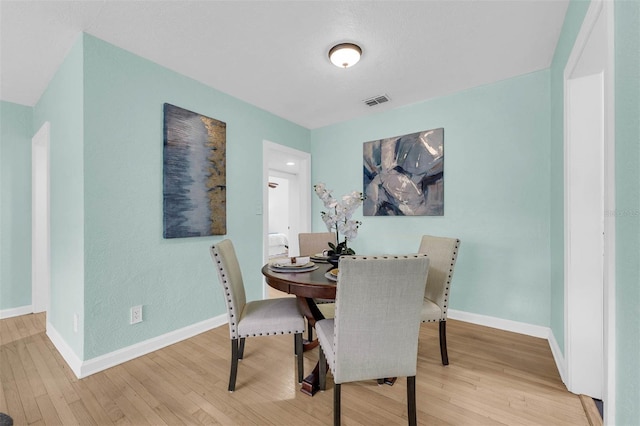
[353, 200]
[330, 203]
[340, 211]
[319, 188]
[349, 229]
[329, 220]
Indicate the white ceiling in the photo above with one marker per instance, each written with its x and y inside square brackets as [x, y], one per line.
[273, 54]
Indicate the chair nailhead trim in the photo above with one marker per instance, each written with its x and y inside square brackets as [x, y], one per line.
[272, 333]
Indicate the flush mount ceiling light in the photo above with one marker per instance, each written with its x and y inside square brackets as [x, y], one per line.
[345, 55]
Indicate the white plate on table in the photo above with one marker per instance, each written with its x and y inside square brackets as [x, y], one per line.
[292, 267]
[320, 258]
[332, 274]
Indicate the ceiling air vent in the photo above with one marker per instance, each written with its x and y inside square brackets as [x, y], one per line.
[376, 100]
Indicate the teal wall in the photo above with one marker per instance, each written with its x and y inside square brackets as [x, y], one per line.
[572, 23]
[496, 143]
[127, 262]
[503, 195]
[62, 106]
[627, 104]
[15, 205]
[107, 251]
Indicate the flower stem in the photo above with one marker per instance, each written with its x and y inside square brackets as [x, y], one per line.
[335, 209]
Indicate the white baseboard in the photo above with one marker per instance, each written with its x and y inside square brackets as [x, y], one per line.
[70, 357]
[501, 324]
[112, 359]
[16, 312]
[86, 368]
[558, 356]
[516, 327]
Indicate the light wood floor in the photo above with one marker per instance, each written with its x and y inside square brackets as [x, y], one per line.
[495, 377]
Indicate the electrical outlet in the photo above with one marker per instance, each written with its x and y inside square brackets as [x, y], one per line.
[136, 314]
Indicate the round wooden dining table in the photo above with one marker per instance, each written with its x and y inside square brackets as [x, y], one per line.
[306, 286]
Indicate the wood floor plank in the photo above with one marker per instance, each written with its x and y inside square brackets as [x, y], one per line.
[10, 331]
[131, 402]
[494, 378]
[97, 412]
[52, 381]
[5, 377]
[220, 416]
[3, 400]
[49, 413]
[205, 388]
[591, 410]
[137, 378]
[34, 323]
[81, 413]
[10, 386]
[168, 389]
[16, 355]
[105, 394]
[35, 381]
[58, 368]
[256, 409]
[204, 418]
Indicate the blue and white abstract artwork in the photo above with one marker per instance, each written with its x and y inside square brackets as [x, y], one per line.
[194, 187]
[404, 175]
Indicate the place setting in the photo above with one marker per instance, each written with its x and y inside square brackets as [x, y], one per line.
[320, 257]
[293, 264]
[332, 274]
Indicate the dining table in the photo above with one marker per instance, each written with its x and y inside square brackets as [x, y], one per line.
[307, 286]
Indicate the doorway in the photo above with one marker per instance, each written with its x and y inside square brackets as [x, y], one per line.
[282, 220]
[291, 168]
[589, 193]
[40, 220]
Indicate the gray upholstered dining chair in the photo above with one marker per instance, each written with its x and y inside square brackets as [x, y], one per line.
[375, 330]
[443, 253]
[256, 318]
[315, 242]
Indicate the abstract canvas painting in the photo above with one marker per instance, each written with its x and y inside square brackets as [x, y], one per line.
[194, 187]
[404, 175]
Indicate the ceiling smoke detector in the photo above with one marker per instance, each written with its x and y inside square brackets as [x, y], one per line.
[376, 100]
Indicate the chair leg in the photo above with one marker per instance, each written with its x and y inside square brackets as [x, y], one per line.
[336, 404]
[234, 365]
[241, 348]
[443, 343]
[411, 400]
[309, 332]
[322, 371]
[300, 359]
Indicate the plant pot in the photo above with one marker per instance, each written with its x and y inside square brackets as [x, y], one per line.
[334, 259]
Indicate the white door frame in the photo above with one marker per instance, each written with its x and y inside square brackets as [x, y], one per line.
[584, 227]
[40, 220]
[598, 9]
[304, 179]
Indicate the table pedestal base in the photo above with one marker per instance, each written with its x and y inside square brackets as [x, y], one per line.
[311, 383]
[307, 345]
